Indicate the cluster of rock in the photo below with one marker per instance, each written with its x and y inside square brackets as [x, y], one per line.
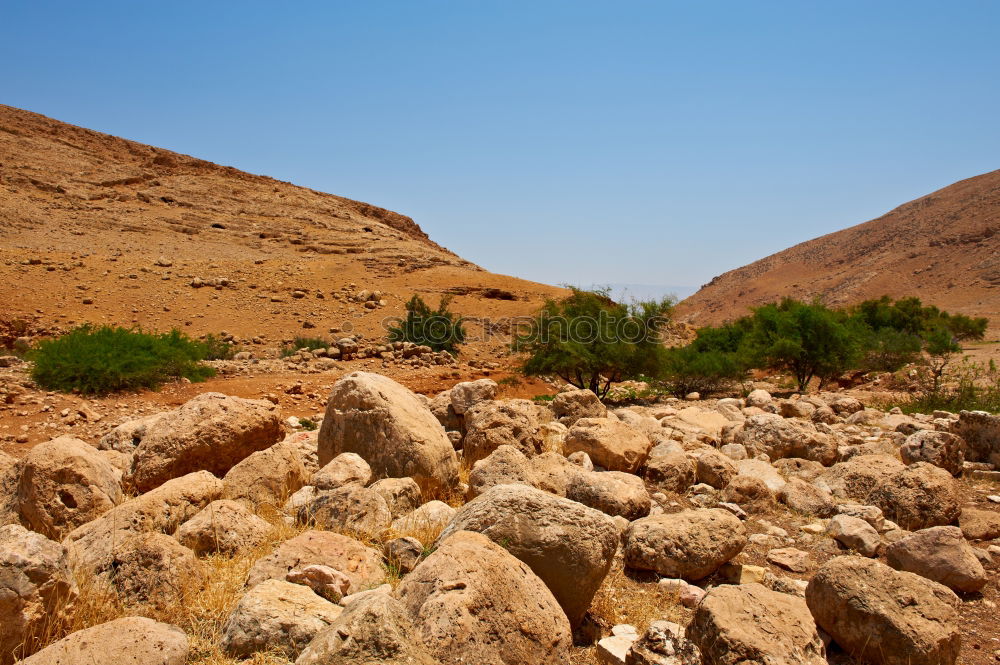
[390, 353]
[557, 496]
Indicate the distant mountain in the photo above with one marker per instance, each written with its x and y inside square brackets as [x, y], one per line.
[943, 248]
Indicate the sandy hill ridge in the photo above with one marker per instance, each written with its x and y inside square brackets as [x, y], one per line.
[943, 247]
[85, 218]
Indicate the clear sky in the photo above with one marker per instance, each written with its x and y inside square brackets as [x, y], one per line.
[562, 141]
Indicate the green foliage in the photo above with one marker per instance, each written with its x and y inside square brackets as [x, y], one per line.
[440, 329]
[887, 350]
[217, 349]
[308, 424]
[909, 315]
[686, 369]
[972, 387]
[807, 340]
[101, 360]
[306, 343]
[590, 341]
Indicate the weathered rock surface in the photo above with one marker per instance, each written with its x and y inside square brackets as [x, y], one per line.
[941, 554]
[160, 510]
[65, 483]
[375, 630]
[670, 469]
[223, 526]
[267, 477]
[467, 394]
[489, 425]
[777, 437]
[391, 429]
[691, 544]
[748, 623]
[132, 640]
[611, 492]
[715, 469]
[609, 443]
[361, 564]
[806, 498]
[979, 524]
[884, 616]
[571, 405]
[153, 569]
[473, 602]
[211, 432]
[36, 588]
[344, 469]
[504, 466]
[351, 507]
[941, 449]
[919, 496]
[401, 494]
[276, 616]
[569, 546]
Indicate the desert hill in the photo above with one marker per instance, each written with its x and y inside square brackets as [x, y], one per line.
[943, 247]
[98, 228]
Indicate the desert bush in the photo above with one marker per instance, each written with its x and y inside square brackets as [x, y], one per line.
[590, 341]
[304, 343]
[215, 348]
[106, 359]
[440, 329]
[686, 370]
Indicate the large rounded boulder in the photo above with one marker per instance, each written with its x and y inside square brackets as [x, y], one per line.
[490, 425]
[884, 616]
[65, 483]
[361, 564]
[569, 546]
[778, 437]
[691, 544]
[212, 432]
[609, 443]
[131, 640]
[939, 553]
[920, 496]
[473, 602]
[391, 429]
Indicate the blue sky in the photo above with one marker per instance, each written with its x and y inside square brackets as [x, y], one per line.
[567, 142]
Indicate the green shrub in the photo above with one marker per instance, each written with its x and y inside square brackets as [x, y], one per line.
[217, 349]
[590, 341]
[440, 329]
[686, 370]
[101, 360]
[308, 424]
[307, 343]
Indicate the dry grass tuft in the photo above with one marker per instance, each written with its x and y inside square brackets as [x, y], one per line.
[200, 612]
[626, 599]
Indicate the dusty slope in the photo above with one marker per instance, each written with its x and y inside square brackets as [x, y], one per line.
[85, 218]
[944, 248]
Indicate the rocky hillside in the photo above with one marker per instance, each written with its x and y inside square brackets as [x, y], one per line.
[943, 247]
[99, 228]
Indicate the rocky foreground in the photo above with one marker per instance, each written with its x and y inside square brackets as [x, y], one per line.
[466, 529]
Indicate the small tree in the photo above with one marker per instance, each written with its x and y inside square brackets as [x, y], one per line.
[807, 340]
[941, 348]
[590, 341]
[439, 328]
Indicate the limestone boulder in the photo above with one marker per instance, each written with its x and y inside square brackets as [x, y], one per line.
[223, 526]
[504, 466]
[344, 469]
[373, 630]
[212, 432]
[352, 508]
[391, 429]
[37, 588]
[153, 569]
[132, 640]
[611, 492]
[552, 472]
[65, 483]
[749, 623]
[979, 524]
[361, 564]
[402, 495]
[884, 616]
[981, 433]
[715, 469]
[467, 394]
[941, 449]
[161, 510]
[806, 498]
[609, 443]
[669, 469]
[569, 546]
[571, 405]
[472, 601]
[267, 477]
[278, 617]
[918, 496]
[691, 544]
[858, 477]
[489, 425]
[941, 554]
[777, 437]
